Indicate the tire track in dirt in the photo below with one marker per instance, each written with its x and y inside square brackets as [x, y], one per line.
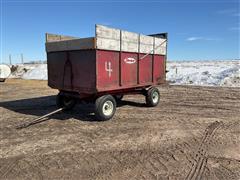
[198, 167]
[9, 166]
[138, 143]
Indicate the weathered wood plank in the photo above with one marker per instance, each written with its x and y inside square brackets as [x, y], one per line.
[129, 41]
[56, 37]
[146, 44]
[107, 44]
[74, 44]
[107, 38]
[160, 46]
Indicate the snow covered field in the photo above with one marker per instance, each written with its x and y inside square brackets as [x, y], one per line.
[30, 71]
[205, 73]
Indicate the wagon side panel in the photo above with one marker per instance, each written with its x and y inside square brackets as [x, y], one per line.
[145, 70]
[159, 69]
[107, 72]
[129, 69]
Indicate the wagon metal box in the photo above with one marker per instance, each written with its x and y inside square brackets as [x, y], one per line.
[113, 62]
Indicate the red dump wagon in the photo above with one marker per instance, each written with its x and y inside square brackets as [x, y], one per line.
[103, 68]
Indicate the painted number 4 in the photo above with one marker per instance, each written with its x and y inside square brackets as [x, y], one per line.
[108, 68]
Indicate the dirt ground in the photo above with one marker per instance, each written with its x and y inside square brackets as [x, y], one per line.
[194, 133]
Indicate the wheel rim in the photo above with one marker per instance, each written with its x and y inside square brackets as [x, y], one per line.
[155, 97]
[107, 108]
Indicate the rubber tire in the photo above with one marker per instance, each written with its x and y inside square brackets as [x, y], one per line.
[99, 106]
[149, 97]
[118, 98]
[65, 102]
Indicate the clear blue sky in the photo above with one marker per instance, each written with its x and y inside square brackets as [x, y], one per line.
[197, 29]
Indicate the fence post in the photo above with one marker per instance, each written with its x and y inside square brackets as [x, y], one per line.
[10, 59]
[22, 59]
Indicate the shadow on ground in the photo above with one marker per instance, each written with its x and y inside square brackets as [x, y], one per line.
[40, 106]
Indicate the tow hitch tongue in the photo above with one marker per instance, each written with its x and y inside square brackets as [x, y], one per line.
[38, 120]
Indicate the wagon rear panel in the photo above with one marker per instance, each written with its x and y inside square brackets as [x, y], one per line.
[72, 71]
[84, 70]
[56, 62]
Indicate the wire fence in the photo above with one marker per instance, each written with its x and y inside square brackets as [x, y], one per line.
[13, 59]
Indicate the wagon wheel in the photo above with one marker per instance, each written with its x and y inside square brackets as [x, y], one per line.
[105, 107]
[152, 97]
[65, 102]
[118, 97]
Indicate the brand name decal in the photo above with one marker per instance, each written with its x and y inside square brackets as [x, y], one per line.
[130, 60]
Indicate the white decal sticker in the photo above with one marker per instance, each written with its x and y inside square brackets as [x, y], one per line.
[108, 68]
[130, 60]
